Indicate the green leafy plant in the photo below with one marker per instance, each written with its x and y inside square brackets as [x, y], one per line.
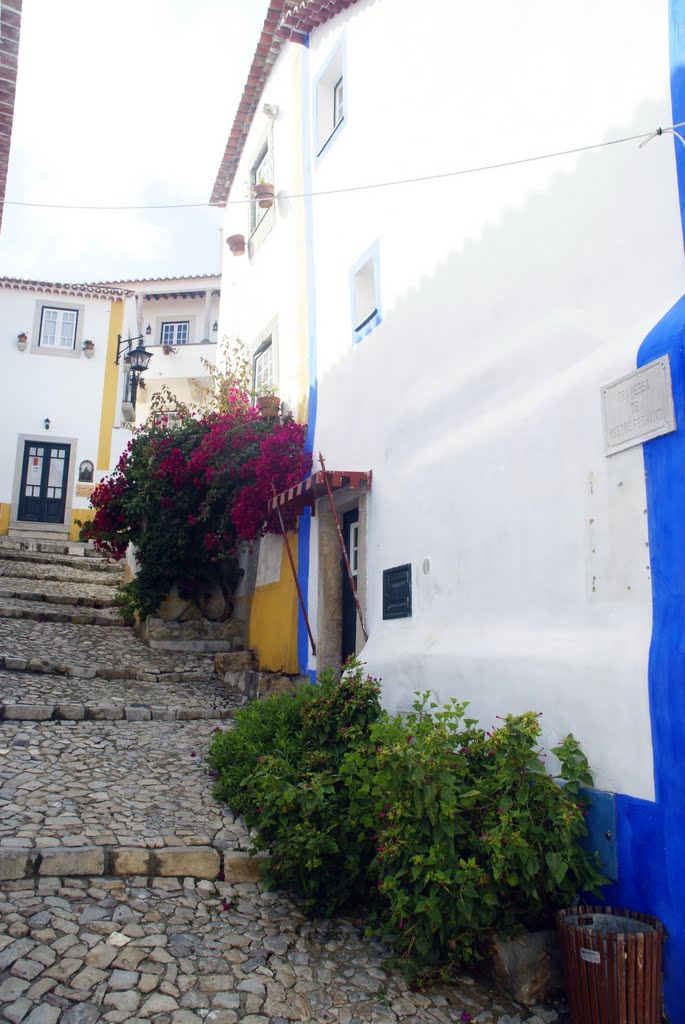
[456, 832]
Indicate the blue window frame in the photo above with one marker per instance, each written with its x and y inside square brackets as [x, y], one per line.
[365, 294]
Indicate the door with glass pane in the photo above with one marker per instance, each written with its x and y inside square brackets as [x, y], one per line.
[44, 477]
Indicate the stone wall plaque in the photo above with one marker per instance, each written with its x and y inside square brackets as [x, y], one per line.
[638, 407]
[84, 490]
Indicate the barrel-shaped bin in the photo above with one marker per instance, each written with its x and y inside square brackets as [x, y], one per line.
[612, 965]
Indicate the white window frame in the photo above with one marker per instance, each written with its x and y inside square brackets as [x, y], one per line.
[261, 170]
[170, 330]
[365, 294]
[259, 359]
[330, 99]
[60, 341]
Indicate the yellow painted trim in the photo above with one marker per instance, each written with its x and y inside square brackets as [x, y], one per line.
[110, 385]
[85, 515]
[273, 619]
[5, 518]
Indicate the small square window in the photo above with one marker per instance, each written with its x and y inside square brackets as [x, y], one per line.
[397, 592]
[329, 99]
[58, 328]
[175, 333]
[365, 294]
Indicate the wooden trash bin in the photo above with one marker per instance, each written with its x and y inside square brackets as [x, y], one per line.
[612, 965]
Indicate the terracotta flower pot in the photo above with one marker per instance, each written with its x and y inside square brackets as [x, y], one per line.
[22, 342]
[269, 406]
[236, 243]
[264, 194]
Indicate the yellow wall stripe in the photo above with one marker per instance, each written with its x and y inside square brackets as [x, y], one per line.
[110, 385]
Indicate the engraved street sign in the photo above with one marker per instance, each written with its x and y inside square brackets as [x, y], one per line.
[638, 407]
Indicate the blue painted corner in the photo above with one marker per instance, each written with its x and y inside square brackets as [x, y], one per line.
[677, 58]
[651, 836]
[305, 523]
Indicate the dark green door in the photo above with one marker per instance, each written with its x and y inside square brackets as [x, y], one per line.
[349, 609]
[44, 478]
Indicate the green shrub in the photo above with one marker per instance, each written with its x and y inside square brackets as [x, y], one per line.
[456, 832]
[279, 768]
[471, 833]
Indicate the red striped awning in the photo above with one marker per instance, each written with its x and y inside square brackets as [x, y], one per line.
[305, 494]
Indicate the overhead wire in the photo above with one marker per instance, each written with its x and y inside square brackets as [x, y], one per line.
[393, 183]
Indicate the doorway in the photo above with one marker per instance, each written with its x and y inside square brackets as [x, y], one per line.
[44, 477]
[349, 608]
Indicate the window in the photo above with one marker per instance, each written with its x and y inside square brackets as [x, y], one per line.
[58, 328]
[176, 333]
[365, 297]
[397, 592]
[263, 367]
[85, 472]
[329, 99]
[261, 171]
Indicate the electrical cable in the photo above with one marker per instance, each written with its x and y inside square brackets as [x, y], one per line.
[644, 136]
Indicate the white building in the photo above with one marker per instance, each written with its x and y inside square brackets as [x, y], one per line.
[467, 244]
[67, 412]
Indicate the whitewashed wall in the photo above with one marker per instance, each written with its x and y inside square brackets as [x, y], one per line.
[509, 298]
[66, 390]
[263, 291]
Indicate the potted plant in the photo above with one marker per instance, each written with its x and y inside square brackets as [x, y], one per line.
[88, 348]
[22, 341]
[264, 193]
[268, 402]
[236, 243]
[168, 350]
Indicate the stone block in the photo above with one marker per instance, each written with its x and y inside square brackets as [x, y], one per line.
[235, 661]
[70, 712]
[130, 860]
[13, 864]
[28, 712]
[103, 714]
[83, 860]
[528, 968]
[137, 714]
[244, 867]
[188, 862]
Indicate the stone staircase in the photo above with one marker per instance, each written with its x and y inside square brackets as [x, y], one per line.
[102, 737]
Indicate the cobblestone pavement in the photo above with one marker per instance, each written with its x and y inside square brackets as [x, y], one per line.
[126, 893]
[89, 650]
[108, 784]
[76, 698]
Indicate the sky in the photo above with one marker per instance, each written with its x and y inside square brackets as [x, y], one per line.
[125, 103]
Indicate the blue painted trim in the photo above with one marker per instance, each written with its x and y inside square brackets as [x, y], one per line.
[321, 148]
[304, 532]
[677, 57]
[651, 836]
[373, 254]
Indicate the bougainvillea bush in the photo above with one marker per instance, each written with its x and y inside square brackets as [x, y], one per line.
[188, 489]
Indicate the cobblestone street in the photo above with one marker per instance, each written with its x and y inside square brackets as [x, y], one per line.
[126, 892]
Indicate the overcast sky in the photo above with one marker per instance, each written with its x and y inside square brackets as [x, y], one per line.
[122, 103]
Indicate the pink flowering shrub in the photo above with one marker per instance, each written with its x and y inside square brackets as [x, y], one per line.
[186, 492]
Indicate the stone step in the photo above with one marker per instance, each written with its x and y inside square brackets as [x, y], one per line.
[27, 544]
[76, 698]
[66, 594]
[90, 563]
[54, 572]
[236, 866]
[73, 711]
[43, 611]
[89, 651]
[192, 646]
[111, 784]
